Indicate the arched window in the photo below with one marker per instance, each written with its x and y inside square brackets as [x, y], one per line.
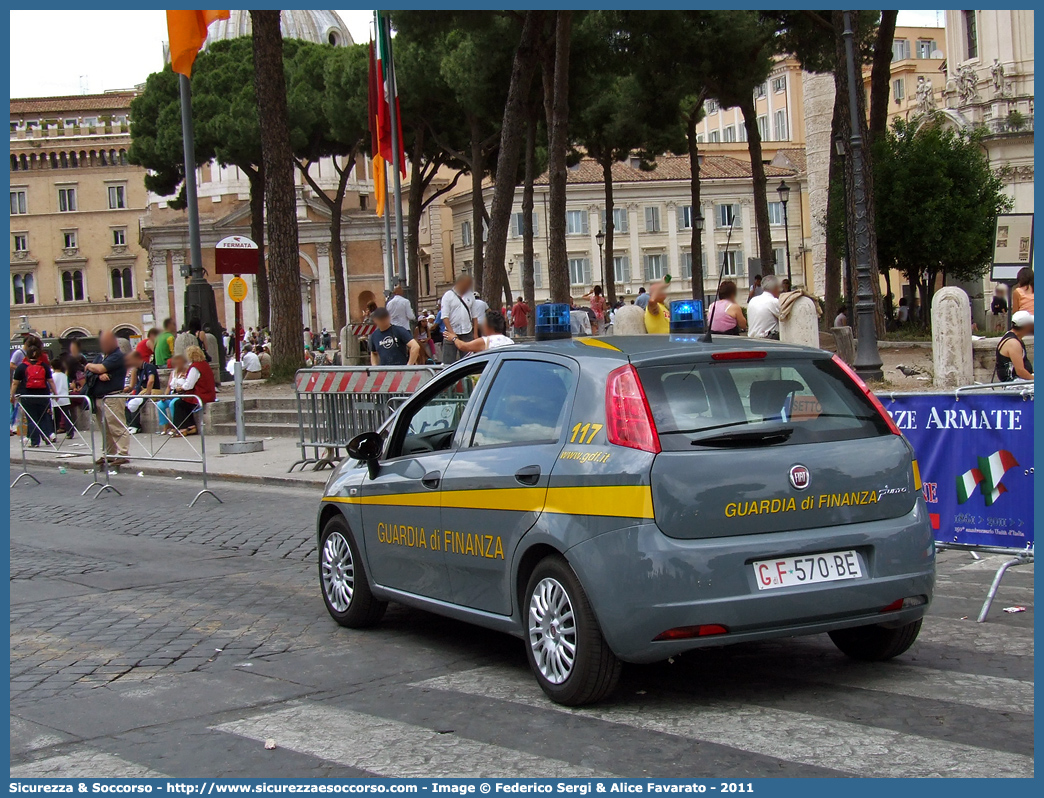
[122, 283]
[93, 158]
[123, 157]
[23, 289]
[72, 285]
[101, 156]
[72, 160]
[14, 163]
[54, 161]
[25, 162]
[65, 160]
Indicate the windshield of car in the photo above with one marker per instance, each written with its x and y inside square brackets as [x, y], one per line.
[776, 402]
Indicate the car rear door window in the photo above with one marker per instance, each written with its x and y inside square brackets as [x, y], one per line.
[526, 403]
[811, 400]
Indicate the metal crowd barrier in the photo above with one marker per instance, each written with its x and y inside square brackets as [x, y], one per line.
[59, 443]
[151, 445]
[336, 403]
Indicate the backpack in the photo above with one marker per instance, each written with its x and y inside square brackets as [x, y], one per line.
[35, 376]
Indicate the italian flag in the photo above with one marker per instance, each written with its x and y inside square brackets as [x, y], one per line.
[993, 469]
[379, 102]
[966, 483]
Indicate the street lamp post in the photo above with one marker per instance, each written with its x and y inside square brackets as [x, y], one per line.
[839, 146]
[600, 238]
[868, 359]
[784, 196]
[697, 285]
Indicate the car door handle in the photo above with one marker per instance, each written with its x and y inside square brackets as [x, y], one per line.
[432, 479]
[529, 475]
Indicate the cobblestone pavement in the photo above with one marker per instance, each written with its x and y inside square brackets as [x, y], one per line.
[149, 638]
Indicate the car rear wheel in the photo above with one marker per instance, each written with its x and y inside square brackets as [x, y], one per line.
[567, 652]
[342, 578]
[876, 643]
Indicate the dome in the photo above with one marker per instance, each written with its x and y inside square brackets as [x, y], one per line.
[321, 27]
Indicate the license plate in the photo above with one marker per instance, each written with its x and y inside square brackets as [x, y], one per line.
[807, 569]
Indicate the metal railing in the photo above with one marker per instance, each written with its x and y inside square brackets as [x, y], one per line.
[42, 432]
[334, 404]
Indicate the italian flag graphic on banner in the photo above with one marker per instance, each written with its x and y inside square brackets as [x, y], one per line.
[987, 477]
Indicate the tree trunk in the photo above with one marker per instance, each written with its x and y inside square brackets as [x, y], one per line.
[512, 134]
[415, 205]
[608, 270]
[478, 206]
[280, 199]
[257, 232]
[835, 210]
[760, 186]
[528, 280]
[340, 308]
[841, 87]
[557, 100]
[696, 240]
[881, 76]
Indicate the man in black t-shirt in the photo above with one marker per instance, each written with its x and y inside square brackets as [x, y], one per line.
[105, 376]
[391, 345]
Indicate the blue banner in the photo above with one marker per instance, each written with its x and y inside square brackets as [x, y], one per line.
[975, 453]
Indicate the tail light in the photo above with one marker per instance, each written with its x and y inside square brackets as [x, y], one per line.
[629, 420]
[747, 354]
[869, 395]
[686, 632]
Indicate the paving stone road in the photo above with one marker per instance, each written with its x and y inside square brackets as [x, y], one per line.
[148, 638]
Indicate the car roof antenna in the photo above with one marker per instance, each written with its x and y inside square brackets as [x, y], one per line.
[707, 339]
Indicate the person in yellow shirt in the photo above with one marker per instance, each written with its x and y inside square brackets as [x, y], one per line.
[657, 315]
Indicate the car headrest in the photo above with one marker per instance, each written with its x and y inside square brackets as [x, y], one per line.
[685, 394]
[767, 397]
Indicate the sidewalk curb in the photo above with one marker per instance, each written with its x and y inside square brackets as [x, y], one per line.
[158, 471]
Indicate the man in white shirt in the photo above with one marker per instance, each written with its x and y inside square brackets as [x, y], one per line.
[458, 315]
[251, 363]
[400, 310]
[479, 309]
[763, 310]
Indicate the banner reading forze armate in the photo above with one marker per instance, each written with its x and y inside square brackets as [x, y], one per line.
[975, 454]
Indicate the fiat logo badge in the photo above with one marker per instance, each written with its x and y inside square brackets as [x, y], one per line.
[799, 477]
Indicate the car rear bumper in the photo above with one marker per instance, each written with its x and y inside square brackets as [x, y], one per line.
[641, 583]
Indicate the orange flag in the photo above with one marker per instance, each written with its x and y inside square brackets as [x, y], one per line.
[187, 30]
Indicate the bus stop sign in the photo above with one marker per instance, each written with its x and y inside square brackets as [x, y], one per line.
[235, 255]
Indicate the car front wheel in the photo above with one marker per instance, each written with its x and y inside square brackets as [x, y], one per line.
[876, 643]
[567, 652]
[342, 578]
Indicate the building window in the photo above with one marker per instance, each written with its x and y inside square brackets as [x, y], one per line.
[69, 239]
[538, 276]
[730, 134]
[775, 210]
[18, 201]
[117, 197]
[730, 263]
[779, 119]
[652, 219]
[760, 91]
[119, 237]
[576, 223]
[715, 136]
[619, 220]
[72, 286]
[122, 283]
[781, 257]
[485, 231]
[621, 269]
[66, 200]
[925, 48]
[727, 215]
[779, 85]
[742, 132]
[579, 271]
[684, 217]
[21, 242]
[517, 222]
[971, 31]
[710, 107]
[699, 138]
[900, 49]
[465, 234]
[23, 289]
[686, 265]
[763, 130]
[655, 266]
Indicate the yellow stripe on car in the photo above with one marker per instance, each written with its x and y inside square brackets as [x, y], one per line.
[623, 501]
[916, 476]
[596, 342]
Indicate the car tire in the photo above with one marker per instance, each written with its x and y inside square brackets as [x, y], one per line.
[559, 621]
[876, 643]
[343, 580]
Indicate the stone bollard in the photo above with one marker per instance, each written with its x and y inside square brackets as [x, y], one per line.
[951, 338]
[801, 325]
[630, 320]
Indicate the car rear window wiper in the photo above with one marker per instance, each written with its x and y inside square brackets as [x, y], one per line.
[762, 436]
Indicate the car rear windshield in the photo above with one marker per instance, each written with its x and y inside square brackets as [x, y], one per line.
[728, 403]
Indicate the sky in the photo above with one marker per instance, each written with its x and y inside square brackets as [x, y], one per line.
[126, 46]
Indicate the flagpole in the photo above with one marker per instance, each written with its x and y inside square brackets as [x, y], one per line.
[389, 262]
[393, 95]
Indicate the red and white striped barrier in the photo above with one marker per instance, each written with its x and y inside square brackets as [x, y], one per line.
[375, 380]
[363, 330]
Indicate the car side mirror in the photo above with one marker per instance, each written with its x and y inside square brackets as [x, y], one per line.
[366, 447]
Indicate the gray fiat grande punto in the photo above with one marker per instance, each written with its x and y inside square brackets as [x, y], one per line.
[625, 499]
